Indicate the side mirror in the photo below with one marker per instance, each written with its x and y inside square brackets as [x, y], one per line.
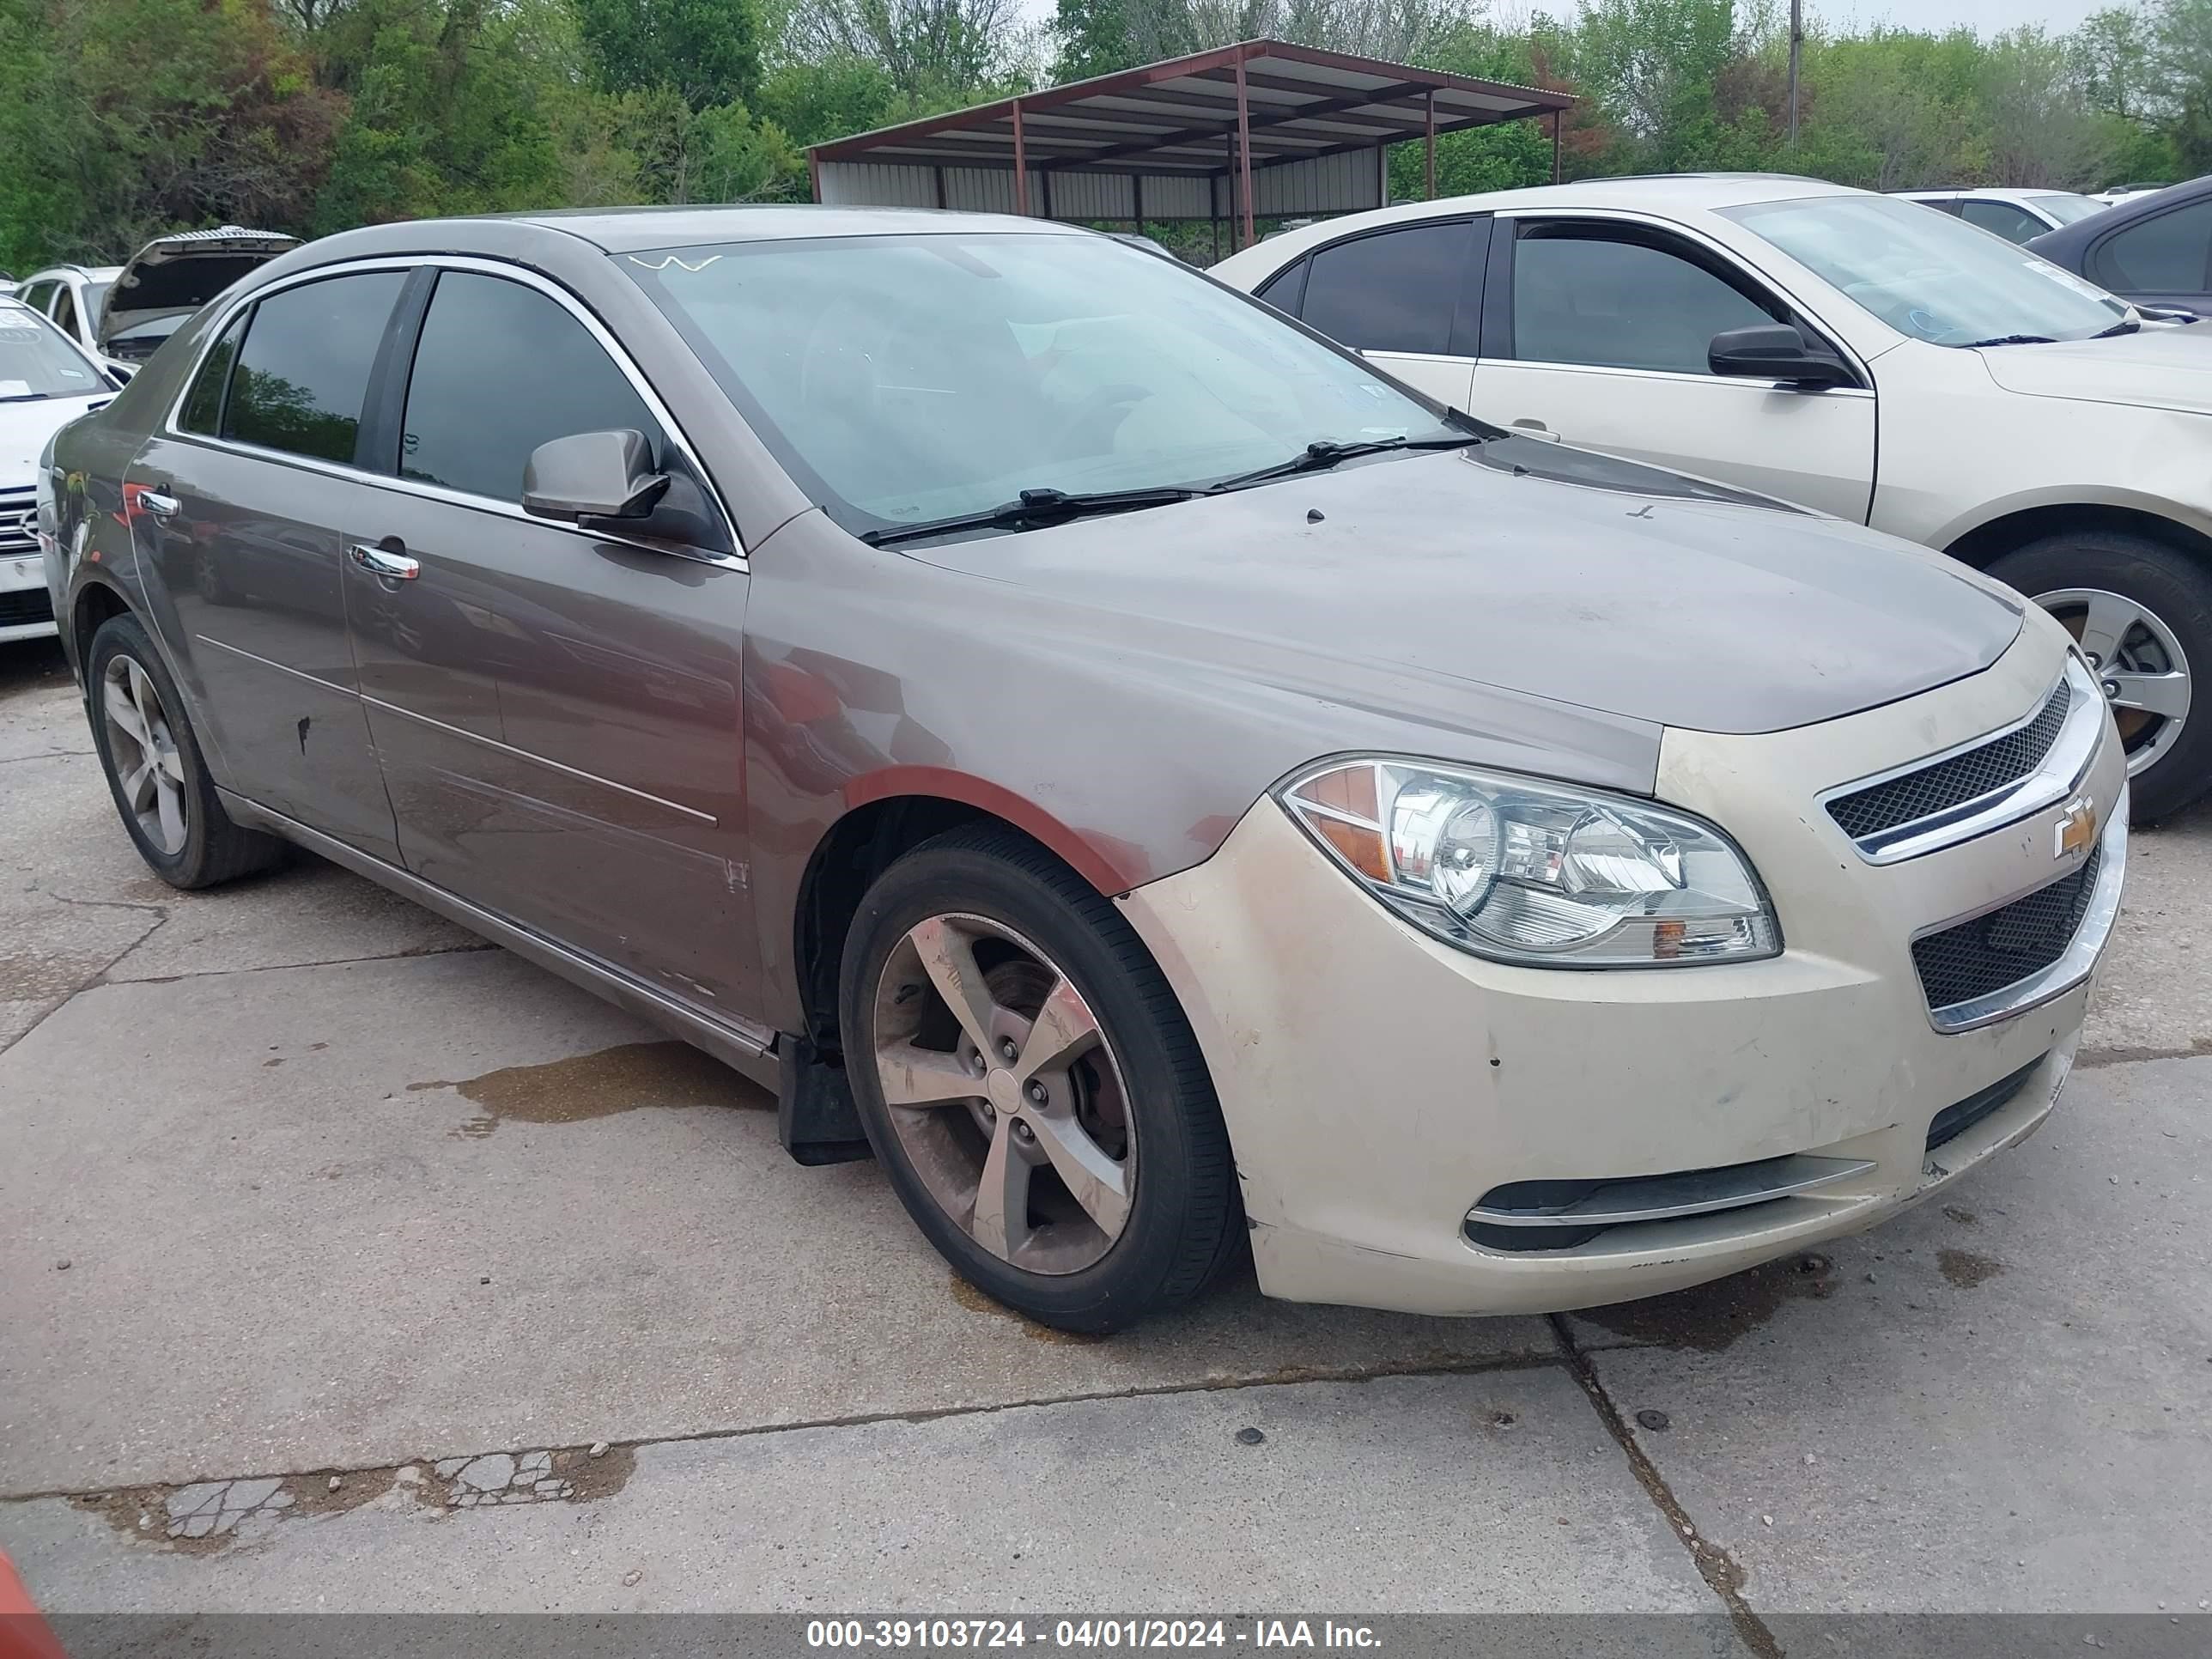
[1773, 351]
[593, 475]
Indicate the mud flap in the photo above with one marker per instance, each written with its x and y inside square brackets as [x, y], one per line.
[815, 1116]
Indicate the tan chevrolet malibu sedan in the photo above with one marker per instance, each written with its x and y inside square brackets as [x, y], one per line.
[1159, 784]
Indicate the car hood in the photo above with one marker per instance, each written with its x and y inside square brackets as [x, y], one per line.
[2161, 368]
[1540, 570]
[177, 274]
[25, 427]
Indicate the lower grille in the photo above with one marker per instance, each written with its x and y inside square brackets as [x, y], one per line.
[1957, 1118]
[1992, 951]
[25, 606]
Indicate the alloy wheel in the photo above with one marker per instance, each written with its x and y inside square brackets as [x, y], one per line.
[2138, 661]
[1005, 1094]
[143, 751]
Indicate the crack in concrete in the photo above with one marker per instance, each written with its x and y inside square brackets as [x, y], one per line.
[412, 954]
[1282, 1376]
[49, 754]
[1715, 1566]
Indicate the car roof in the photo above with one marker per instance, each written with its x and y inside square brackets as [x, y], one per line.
[2000, 192]
[626, 230]
[89, 273]
[2069, 241]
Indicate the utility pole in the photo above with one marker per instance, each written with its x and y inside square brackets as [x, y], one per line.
[1796, 40]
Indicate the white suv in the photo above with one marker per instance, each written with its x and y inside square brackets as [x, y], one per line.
[1852, 352]
[46, 381]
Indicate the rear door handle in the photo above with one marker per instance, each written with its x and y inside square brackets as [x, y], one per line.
[161, 506]
[393, 567]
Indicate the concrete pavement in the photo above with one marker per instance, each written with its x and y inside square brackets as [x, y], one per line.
[343, 1196]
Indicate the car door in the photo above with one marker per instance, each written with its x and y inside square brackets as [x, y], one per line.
[2165, 261]
[2006, 219]
[557, 710]
[1406, 297]
[1595, 331]
[238, 505]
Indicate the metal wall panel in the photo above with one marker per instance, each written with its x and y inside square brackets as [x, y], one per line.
[1349, 183]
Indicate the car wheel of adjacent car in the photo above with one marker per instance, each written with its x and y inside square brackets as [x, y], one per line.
[2142, 612]
[1031, 1086]
[155, 769]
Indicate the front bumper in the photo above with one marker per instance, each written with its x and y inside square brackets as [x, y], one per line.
[27, 610]
[1377, 1083]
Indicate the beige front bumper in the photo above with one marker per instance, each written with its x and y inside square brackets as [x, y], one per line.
[1378, 1082]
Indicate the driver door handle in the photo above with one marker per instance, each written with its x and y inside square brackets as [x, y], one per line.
[161, 506]
[379, 562]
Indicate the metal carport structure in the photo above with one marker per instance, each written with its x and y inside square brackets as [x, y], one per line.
[1259, 129]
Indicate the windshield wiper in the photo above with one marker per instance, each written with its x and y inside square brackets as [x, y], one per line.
[2130, 324]
[26, 397]
[2010, 339]
[1035, 509]
[1320, 456]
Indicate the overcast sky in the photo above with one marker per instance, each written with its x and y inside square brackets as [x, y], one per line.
[1988, 16]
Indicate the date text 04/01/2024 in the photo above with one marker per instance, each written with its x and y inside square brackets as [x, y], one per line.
[1083, 1635]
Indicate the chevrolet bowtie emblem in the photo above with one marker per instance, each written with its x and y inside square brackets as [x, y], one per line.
[2077, 830]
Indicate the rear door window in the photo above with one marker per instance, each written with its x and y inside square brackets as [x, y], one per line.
[2014, 224]
[2165, 255]
[1397, 290]
[303, 370]
[499, 369]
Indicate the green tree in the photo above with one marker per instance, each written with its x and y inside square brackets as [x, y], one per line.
[709, 50]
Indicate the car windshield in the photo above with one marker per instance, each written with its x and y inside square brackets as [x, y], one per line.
[907, 379]
[1928, 275]
[36, 361]
[2064, 206]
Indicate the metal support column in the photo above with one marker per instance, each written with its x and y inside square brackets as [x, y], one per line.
[1021, 165]
[1244, 149]
[1429, 149]
[1555, 146]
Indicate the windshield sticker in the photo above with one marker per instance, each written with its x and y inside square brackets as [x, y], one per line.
[18, 320]
[2050, 272]
[14, 388]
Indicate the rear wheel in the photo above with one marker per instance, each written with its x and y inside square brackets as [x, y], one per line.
[1032, 1086]
[154, 768]
[2142, 613]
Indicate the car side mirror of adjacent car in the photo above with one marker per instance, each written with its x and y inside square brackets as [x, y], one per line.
[1774, 351]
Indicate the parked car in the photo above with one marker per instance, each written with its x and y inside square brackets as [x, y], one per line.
[46, 381]
[2119, 193]
[2014, 215]
[123, 312]
[1151, 780]
[2156, 249]
[169, 279]
[72, 296]
[1851, 352]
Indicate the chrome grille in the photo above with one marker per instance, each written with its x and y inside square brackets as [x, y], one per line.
[2007, 945]
[18, 517]
[1964, 777]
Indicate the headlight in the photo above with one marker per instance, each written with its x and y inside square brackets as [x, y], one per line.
[1542, 874]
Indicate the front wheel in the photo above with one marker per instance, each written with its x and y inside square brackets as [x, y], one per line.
[2141, 611]
[1032, 1086]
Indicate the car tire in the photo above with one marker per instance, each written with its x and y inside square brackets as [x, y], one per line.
[1131, 1122]
[2170, 762]
[155, 772]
